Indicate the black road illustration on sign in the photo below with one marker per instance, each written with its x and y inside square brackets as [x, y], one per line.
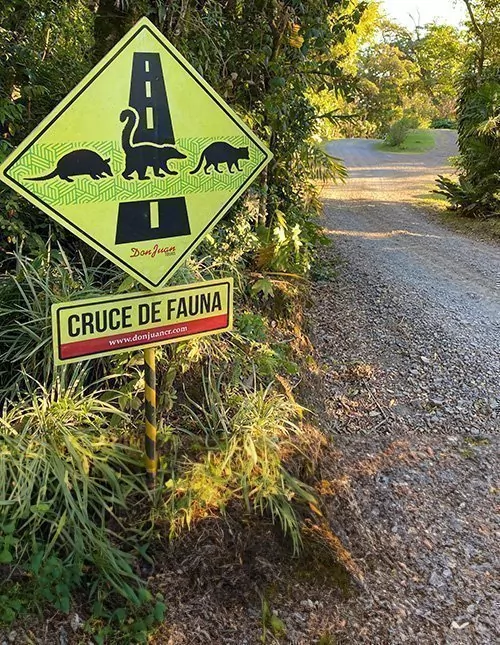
[78, 162]
[221, 152]
[141, 156]
[148, 142]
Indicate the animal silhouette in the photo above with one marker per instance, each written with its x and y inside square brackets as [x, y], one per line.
[141, 156]
[218, 153]
[78, 162]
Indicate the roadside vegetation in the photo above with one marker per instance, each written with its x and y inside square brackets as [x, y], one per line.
[402, 138]
[475, 193]
[78, 525]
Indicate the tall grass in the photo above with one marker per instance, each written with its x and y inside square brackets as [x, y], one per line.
[247, 433]
[26, 298]
[66, 483]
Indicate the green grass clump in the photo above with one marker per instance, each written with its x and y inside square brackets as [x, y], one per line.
[416, 141]
[64, 480]
[241, 436]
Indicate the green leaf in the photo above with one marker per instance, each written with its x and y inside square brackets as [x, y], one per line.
[36, 562]
[40, 508]
[144, 594]
[159, 611]
[62, 589]
[63, 604]
[120, 614]
[97, 609]
[5, 557]
[7, 615]
[8, 529]
[264, 286]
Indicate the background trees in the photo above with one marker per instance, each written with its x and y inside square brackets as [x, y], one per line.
[477, 190]
[411, 74]
[397, 73]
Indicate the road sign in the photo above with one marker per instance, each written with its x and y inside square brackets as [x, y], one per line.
[101, 326]
[141, 159]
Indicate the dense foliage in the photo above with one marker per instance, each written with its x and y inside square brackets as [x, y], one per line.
[70, 438]
[476, 192]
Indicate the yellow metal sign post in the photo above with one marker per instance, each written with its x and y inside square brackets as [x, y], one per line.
[140, 160]
[150, 397]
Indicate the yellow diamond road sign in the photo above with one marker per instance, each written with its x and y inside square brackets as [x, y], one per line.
[141, 159]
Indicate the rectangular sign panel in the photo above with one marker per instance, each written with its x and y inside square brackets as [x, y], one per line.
[100, 326]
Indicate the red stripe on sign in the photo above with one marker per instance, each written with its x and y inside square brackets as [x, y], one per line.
[154, 336]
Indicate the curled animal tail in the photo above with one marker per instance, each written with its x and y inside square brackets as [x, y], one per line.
[202, 157]
[130, 117]
[54, 173]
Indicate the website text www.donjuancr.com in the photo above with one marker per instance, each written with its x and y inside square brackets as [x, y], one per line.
[150, 335]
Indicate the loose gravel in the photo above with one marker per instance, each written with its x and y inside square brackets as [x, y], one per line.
[406, 324]
[421, 303]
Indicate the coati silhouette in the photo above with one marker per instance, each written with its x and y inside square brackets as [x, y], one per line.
[140, 156]
[78, 162]
[221, 152]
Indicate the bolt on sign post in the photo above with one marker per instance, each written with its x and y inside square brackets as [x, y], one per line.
[140, 160]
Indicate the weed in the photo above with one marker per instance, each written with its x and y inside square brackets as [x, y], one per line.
[252, 326]
[12, 602]
[271, 622]
[323, 270]
[477, 441]
[125, 624]
[327, 639]
[54, 580]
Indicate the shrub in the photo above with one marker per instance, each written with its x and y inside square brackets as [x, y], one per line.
[245, 434]
[476, 193]
[397, 133]
[65, 479]
[443, 123]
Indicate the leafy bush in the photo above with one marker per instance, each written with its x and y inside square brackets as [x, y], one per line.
[476, 193]
[443, 123]
[65, 478]
[397, 133]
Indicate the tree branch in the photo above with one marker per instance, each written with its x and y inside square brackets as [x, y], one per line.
[480, 35]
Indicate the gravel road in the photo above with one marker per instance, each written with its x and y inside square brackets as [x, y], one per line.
[426, 299]
[406, 325]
